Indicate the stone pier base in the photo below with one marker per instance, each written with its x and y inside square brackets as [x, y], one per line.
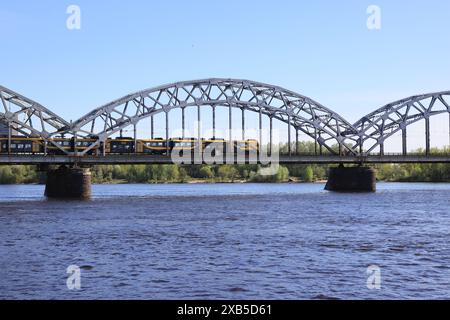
[351, 179]
[68, 183]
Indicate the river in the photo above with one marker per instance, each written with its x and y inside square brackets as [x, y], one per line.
[227, 241]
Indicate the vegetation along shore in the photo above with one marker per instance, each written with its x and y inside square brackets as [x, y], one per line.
[227, 173]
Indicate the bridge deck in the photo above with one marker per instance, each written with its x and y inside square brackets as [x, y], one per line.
[142, 159]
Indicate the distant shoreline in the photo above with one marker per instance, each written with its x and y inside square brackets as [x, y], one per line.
[207, 182]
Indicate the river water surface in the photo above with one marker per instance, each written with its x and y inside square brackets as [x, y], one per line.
[230, 241]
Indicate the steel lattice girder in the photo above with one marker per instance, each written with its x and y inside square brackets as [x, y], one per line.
[383, 123]
[27, 116]
[304, 114]
[325, 126]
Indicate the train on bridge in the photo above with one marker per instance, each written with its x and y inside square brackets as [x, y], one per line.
[123, 145]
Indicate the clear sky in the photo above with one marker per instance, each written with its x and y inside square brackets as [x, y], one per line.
[322, 49]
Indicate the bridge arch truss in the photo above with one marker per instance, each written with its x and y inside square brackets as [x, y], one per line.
[327, 128]
[375, 128]
[302, 113]
[29, 118]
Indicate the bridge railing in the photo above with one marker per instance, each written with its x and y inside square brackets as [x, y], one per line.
[409, 154]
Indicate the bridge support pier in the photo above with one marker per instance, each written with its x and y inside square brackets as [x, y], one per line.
[351, 179]
[69, 183]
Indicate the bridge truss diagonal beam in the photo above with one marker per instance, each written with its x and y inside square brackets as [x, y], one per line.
[375, 128]
[327, 128]
[300, 112]
[29, 118]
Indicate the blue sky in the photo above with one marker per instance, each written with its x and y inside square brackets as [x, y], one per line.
[320, 48]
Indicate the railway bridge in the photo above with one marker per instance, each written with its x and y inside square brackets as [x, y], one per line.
[244, 121]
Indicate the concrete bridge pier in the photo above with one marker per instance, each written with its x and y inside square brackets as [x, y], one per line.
[68, 183]
[351, 179]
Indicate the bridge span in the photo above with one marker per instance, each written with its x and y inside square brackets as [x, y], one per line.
[156, 122]
[283, 159]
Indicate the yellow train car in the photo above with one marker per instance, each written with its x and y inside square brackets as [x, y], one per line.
[215, 147]
[120, 146]
[70, 145]
[246, 145]
[21, 145]
[184, 144]
[152, 146]
[82, 144]
[64, 143]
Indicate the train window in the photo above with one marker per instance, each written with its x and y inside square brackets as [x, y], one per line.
[20, 146]
[183, 144]
[154, 144]
[13, 145]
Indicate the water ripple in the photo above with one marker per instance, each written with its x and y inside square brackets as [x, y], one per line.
[245, 241]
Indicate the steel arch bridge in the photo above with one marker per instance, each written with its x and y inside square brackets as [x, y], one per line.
[327, 128]
[37, 121]
[300, 112]
[375, 128]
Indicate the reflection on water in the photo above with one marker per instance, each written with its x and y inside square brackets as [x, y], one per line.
[231, 241]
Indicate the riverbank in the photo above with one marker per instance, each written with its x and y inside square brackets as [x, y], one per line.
[154, 174]
[211, 182]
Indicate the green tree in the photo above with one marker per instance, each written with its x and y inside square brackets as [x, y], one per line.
[205, 172]
[282, 174]
[227, 173]
[7, 176]
[309, 174]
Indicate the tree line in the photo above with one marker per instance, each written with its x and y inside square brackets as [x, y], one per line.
[232, 173]
[228, 173]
